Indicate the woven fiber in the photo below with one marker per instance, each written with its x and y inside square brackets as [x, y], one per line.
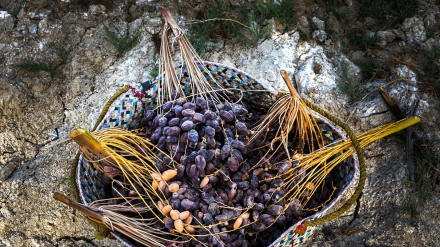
[127, 109]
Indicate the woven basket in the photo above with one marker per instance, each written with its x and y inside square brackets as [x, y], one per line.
[125, 110]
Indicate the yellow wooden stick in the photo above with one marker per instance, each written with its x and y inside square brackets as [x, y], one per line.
[88, 144]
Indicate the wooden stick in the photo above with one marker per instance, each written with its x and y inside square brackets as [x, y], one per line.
[88, 212]
[288, 82]
[88, 144]
[170, 20]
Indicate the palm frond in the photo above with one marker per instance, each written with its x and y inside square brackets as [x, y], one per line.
[113, 217]
[132, 155]
[305, 178]
[169, 82]
[291, 116]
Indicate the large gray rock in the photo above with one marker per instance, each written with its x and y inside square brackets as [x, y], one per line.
[265, 61]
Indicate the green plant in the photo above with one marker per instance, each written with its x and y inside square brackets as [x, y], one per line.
[246, 24]
[350, 85]
[432, 29]
[343, 14]
[304, 34]
[154, 72]
[256, 31]
[66, 177]
[337, 8]
[345, 46]
[362, 40]
[122, 41]
[411, 207]
[33, 66]
[395, 10]
[212, 25]
[370, 69]
[83, 2]
[283, 11]
[426, 161]
[430, 69]
[423, 183]
[337, 35]
[18, 6]
[63, 54]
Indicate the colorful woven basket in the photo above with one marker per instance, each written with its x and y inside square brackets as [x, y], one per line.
[125, 110]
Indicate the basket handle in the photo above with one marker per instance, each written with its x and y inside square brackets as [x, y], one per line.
[108, 104]
[361, 158]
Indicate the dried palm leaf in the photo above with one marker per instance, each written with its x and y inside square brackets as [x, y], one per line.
[112, 217]
[302, 180]
[292, 116]
[131, 155]
[169, 81]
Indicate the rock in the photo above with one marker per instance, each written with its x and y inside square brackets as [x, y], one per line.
[318, 23]
[76, 242]
[429, 44]
[399, 34]
[414, 30]
[430, 20]
[7, 169]
[41, 15]
[406, 90]
[23, 29]
[370, 22]
[300, 6]
[385, 37]
[218, 45]
[404, 72]
[351, 68]
[42, 26]
[278, 52]
[303, 22]
[371, 113]
[6, 21]
[319, 35]
[97, 10]
[357, 57]
[33, 29]
[133, 11]
[317, 80]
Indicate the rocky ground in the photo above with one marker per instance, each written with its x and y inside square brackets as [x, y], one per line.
[79, 69]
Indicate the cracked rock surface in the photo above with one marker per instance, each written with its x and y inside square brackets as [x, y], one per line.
[38, 110]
